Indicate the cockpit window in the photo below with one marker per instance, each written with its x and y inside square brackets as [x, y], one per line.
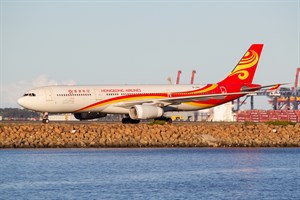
[29, 94]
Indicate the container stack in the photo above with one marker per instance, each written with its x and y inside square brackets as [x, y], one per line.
[268, 115]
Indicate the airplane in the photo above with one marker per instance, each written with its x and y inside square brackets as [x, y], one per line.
[139, 102]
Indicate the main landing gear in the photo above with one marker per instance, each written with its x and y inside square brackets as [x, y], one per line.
[45, 119]
[128, 120]
[167, 120]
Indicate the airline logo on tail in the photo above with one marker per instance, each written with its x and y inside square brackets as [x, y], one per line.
[245, 69]
[249, 60]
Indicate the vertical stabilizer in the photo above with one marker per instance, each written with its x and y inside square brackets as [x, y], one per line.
[245, 69]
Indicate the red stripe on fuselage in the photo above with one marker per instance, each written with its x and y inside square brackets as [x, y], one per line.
[208, 89]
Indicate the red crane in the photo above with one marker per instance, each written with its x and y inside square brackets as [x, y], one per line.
[178, 77]
[193, 76]
[295, 89]
[297, 77]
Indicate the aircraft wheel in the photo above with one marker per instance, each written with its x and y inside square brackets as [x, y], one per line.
[125, 121]
[169, 121]
[134, 121]
[45, 121]
[128, 120]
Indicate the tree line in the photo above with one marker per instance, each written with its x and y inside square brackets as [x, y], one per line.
[17, 113]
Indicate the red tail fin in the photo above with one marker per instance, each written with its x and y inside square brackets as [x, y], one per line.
[245, 69]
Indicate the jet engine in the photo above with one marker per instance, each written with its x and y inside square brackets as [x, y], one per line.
[89, 115]
[145, 112]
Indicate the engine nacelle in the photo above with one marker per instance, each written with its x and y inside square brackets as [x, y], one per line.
[145, 112]
[89, 115]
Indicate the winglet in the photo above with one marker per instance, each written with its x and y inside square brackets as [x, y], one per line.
[244, 71]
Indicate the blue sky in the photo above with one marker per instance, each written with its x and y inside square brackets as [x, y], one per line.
[142, 42]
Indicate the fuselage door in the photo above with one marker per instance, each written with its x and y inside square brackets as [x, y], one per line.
[48, 92]
[169, 93]
[223, 89]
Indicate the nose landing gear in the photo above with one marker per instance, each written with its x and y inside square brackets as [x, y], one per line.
[45, 119]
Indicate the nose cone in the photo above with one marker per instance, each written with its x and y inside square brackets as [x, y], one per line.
[23, 101]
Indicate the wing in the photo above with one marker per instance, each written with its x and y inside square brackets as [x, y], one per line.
[178, 100]
[162, 102]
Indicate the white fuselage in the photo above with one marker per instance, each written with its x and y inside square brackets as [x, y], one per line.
[104, 98]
